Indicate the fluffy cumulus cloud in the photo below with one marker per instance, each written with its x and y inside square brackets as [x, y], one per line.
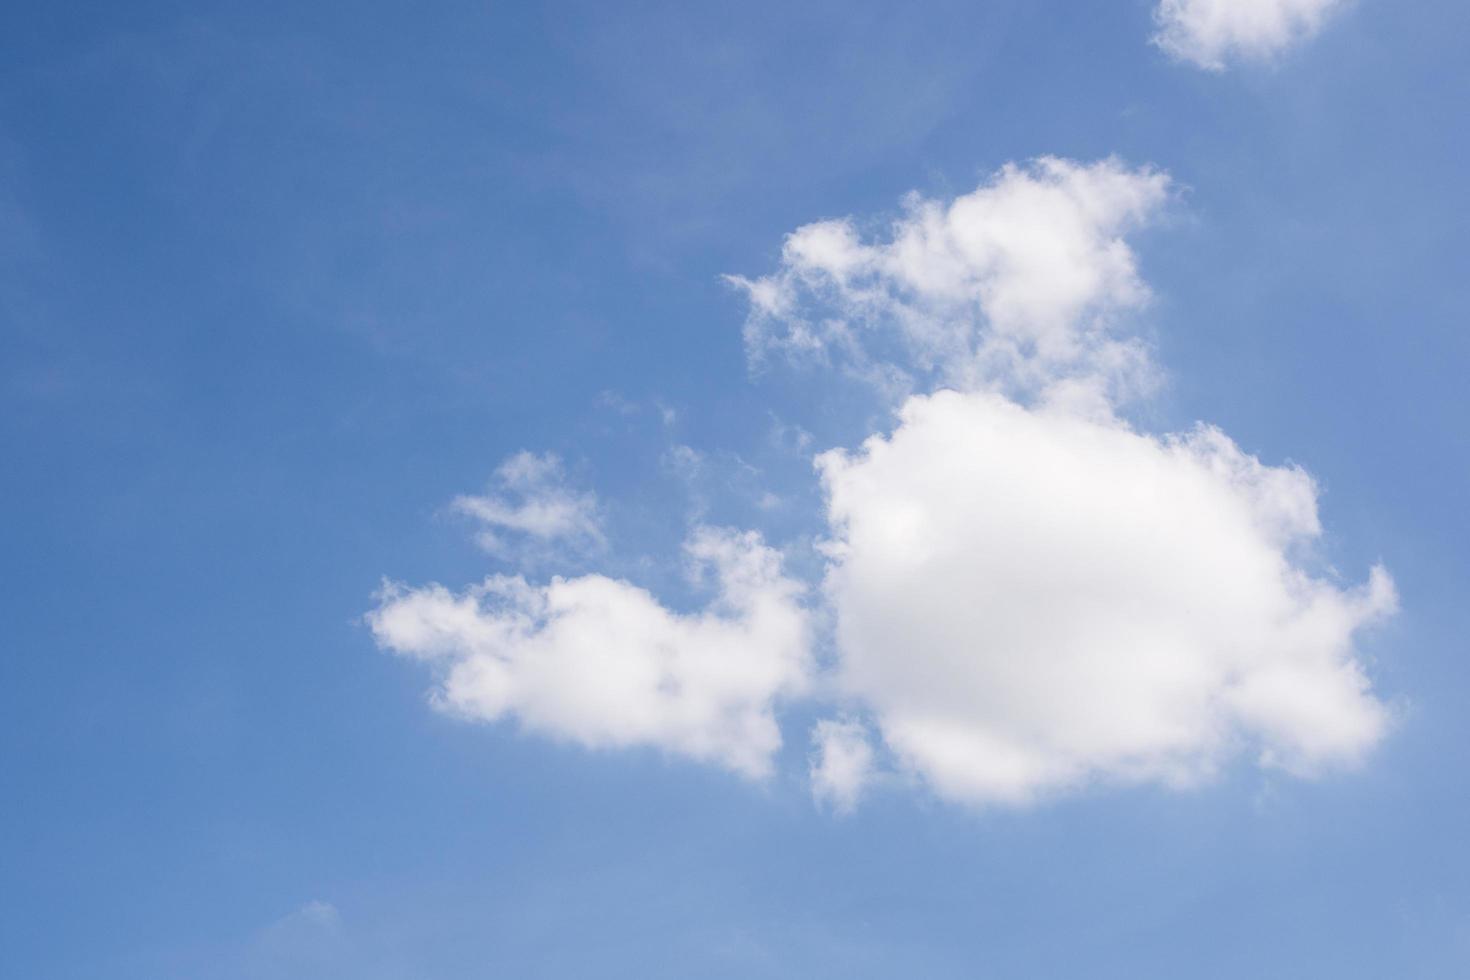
[602, 663]
[530, 507]
[1027, 594]
[1029, 599]
[1212, 33]
[1030, 595]
[1018, 285]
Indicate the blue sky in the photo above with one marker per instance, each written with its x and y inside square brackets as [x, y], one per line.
[280, 285]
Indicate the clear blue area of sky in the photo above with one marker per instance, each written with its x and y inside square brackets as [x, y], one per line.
[278, 280]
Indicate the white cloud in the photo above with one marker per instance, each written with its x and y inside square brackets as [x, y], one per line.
[602, 663]
[533, 507]
[1211, 33]
[1027, 594]
[1017, 285]
[1029, 599]
[842, 763]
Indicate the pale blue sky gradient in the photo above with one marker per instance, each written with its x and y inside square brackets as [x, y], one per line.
[278, 281]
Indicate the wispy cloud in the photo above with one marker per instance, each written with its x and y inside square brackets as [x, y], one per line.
[530, 507]
[842, 763]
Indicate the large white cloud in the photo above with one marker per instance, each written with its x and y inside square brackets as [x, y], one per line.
[1211, 33]
[1028, 599]
[1028, 594]
[602, 663]
[1016, 285]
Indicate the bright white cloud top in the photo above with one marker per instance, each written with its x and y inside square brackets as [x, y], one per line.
[1212, 33]
[602, 663]
[1026, 594]
[1018, 284]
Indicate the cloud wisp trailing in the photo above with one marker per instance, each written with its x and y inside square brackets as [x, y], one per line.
[1212, 34]
[602, 663]
[842, 763]
[1023, 594]
[531, 509]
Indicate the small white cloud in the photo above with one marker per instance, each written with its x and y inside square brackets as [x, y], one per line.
[1028, 600]
[842, 763]
[533, 507]
[1015, 286]
[602, 663]
[1212, 33]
